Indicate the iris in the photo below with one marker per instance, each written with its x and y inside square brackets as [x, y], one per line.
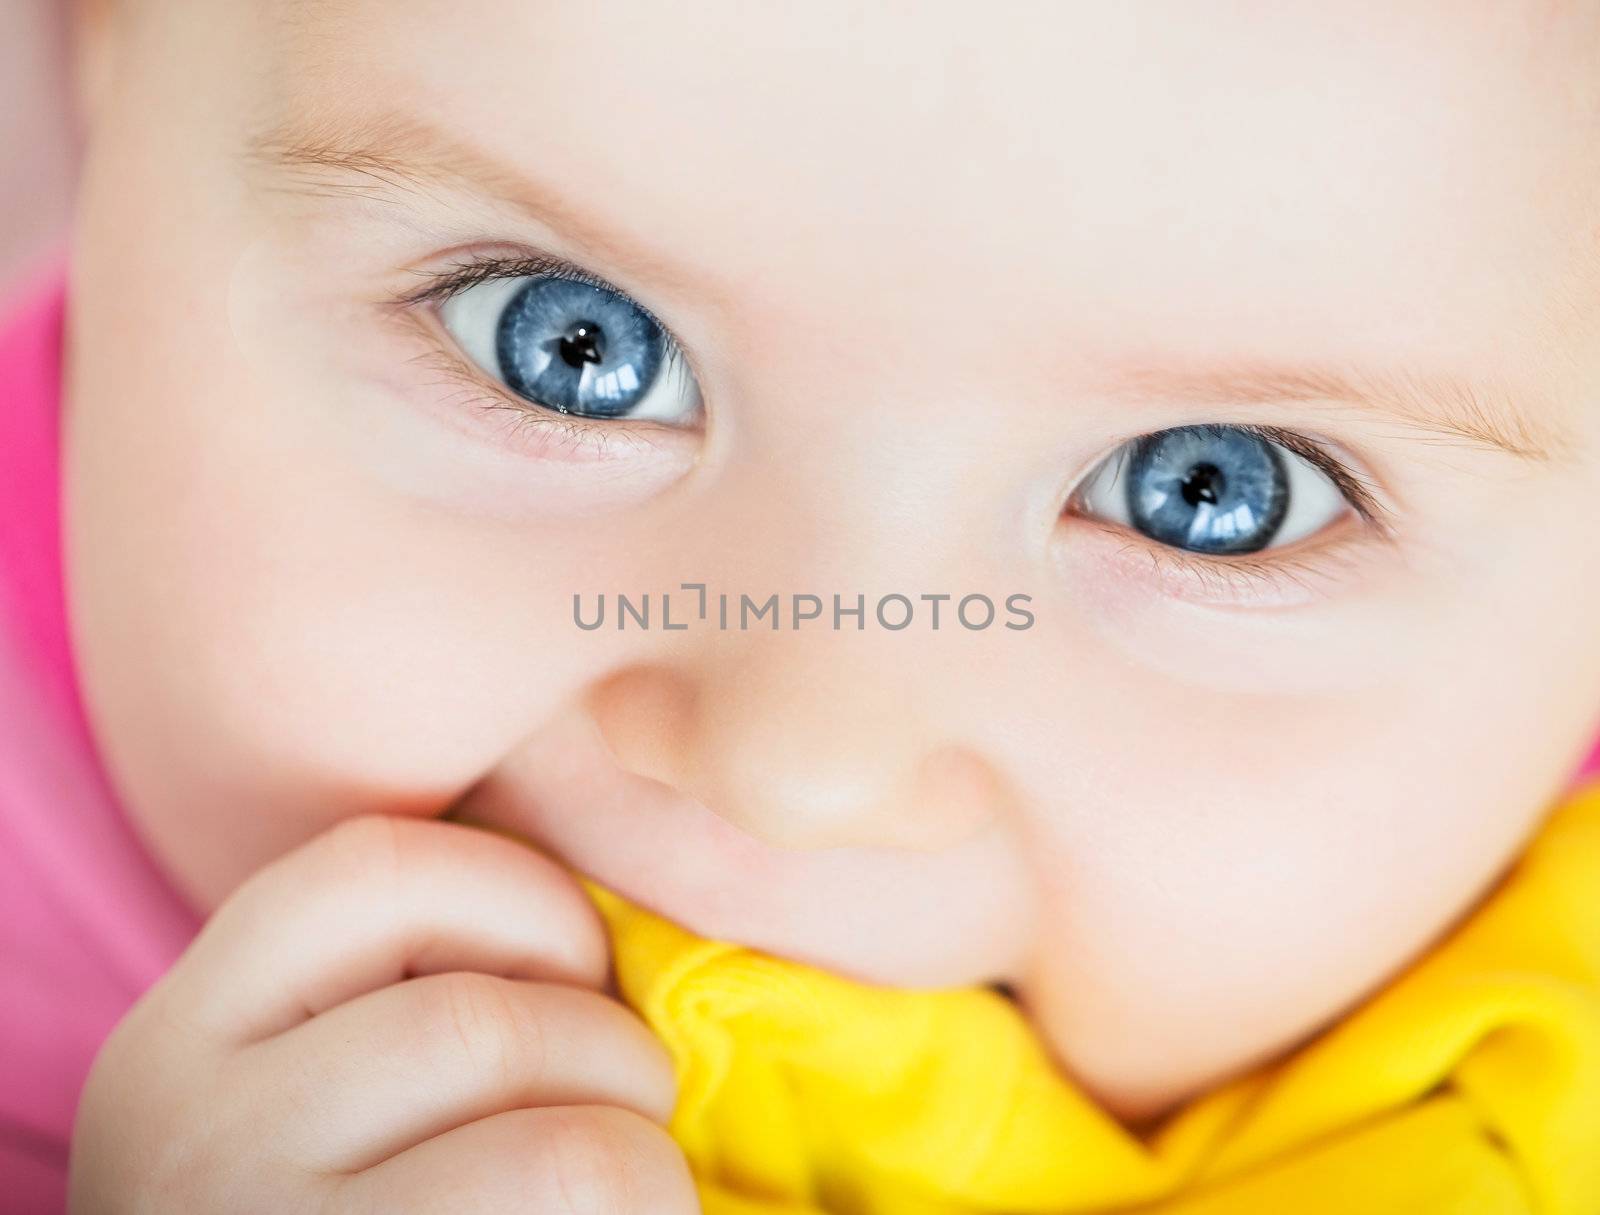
[1213, 489]
[577, 348]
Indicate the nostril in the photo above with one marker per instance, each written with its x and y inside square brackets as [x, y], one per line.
[801, 756]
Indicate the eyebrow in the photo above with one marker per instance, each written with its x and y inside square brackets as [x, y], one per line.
[382, 158]
[1437, 407]
[386, 156]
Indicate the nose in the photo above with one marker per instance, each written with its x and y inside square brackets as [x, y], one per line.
[802, 748]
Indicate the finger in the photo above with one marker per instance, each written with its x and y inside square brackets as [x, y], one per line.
[387, 1070]
[563, 1160]
[376, 900]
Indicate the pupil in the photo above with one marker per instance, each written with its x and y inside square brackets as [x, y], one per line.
[1204, 483]
[583, 343]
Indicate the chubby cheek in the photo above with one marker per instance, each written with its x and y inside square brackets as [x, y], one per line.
[293, 606]
[276, 652]
[1223, 924]
[1221, 889]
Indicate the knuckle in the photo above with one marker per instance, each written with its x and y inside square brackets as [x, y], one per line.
[373, 857]
[382, 852]
[611, 1161]
[362, 850]
[369, 843]
[481, 1019]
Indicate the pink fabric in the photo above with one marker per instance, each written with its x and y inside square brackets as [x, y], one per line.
[87, 921]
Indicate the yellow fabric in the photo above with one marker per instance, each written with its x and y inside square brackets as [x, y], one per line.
[1470, 1084]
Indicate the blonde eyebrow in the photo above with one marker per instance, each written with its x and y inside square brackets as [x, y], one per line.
[384, 157]
[1443, 408]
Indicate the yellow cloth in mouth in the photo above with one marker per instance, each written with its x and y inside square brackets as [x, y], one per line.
[1470, 1084]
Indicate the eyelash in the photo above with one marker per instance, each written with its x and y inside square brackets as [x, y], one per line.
[1357, 490]
[1271, 571]
[1239, 578]
[598, 436]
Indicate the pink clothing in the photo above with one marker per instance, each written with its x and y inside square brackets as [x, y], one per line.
[87, 920]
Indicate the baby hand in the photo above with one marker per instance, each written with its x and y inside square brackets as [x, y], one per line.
[399, 1016]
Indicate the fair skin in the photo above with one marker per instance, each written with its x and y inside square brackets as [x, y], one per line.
[928, 271]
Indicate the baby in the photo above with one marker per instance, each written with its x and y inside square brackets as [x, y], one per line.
[1120, 480]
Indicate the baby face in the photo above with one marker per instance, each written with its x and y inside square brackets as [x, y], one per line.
[1251, 349]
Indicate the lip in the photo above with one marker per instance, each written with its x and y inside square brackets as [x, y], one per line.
[873, 914]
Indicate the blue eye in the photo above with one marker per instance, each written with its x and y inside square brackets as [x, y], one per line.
[1213, 489]
[572, 347]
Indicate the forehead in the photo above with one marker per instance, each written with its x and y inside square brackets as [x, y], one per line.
[1421, 169]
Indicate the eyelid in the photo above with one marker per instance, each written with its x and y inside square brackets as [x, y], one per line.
[477, 267]
[1270, 576]
[1309, 569]
[595, 439]
[481, 267]
[1358, 489]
